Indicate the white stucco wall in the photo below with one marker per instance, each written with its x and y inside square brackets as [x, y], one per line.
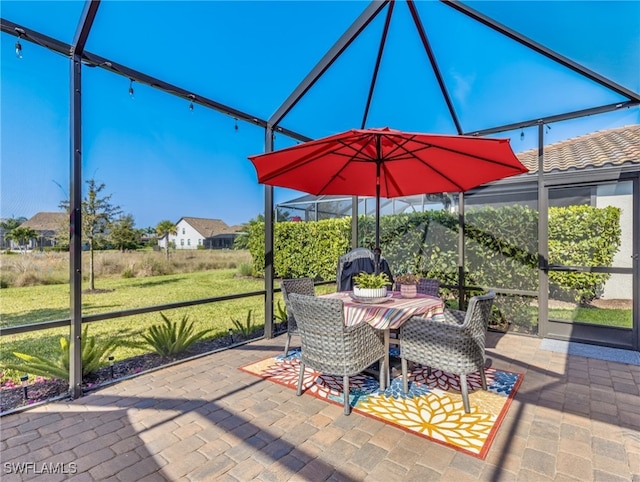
[187, 237]
[619, 195]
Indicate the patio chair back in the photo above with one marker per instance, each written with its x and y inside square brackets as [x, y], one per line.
[356, 261]
[357, 255]
[429, 286]
[455, 345]
[303, 286]
[330, 347]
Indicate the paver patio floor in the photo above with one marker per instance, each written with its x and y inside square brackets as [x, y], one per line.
[573, 418]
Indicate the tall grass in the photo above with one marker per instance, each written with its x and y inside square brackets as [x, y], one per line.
[45, 268]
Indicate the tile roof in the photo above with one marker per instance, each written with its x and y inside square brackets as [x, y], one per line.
[46, 221]
[210, 227]
[613, 147]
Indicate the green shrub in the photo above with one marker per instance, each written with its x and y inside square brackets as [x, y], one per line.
[94, 355]
[170, 338]
[245, 269]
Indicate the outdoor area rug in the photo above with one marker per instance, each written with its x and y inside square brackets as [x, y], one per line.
[432, 409]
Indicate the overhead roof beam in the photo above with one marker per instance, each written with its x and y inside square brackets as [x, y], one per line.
[329, 58]
[374, 77]
[434, 64]
[84, 26]
[541, 49]
[93, 60]
[555, 118]
[31, 35]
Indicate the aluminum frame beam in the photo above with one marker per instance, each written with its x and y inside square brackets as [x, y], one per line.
[269, 269]
[94, 60]
[75, 202]
[434, 64]
[376, 68]
[556, 118]
[541, 49]
[329, 58]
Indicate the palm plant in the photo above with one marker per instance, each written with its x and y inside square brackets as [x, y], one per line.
[94, 355]
[164, 229]
[21, 235]
[171, 338]
[247, 328]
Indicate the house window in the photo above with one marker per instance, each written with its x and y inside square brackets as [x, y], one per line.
[199, 242]
[189, 242]
[182, 230]
[181, 242]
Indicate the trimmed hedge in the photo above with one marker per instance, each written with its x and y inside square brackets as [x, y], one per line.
[501, 250]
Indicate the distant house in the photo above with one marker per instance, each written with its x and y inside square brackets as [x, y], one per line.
[208, 233]
[47, 226]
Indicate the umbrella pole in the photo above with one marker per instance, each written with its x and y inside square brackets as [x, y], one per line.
[377, 253]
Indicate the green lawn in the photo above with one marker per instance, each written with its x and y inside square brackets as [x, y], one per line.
[43, 303]
[597, 316]
[46, 303]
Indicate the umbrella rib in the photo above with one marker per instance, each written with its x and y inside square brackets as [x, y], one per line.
[301, 161]
[481, 158]
[350, 157]
[429, 145]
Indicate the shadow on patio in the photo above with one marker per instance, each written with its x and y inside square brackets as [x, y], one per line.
[573, 418]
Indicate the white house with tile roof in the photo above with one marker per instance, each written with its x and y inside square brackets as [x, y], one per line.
[192, 233]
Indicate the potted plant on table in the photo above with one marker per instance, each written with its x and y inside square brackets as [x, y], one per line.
[369, 285]
[408, 283]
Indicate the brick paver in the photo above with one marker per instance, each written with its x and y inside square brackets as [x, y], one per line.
[573, 419]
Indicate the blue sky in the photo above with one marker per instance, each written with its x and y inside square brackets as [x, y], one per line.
[161, 160]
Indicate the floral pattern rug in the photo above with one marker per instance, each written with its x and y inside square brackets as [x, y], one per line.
[432, 408]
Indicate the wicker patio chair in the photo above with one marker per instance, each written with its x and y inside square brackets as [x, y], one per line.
[303, 286]
[331, 347]
[429, 286]
[455, 345]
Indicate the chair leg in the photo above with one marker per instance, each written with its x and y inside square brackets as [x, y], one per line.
[286, 345]
[483, 377]
[300, 377]
[345, 388]
[383, 377]
[405, 378]
[465, 393]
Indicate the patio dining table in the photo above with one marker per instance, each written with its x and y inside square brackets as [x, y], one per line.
[389, 314]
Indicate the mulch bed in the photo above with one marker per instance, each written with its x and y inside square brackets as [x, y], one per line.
[12, 399]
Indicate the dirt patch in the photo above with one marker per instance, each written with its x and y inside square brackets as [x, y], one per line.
[611, 304]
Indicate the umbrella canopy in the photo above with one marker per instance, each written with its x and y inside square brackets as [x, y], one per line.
[388, 163]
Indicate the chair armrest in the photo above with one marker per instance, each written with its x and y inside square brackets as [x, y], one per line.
[431, 327]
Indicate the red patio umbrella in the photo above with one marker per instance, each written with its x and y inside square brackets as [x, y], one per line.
[388, 163]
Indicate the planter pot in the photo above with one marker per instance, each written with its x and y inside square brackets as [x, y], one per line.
[408, 291]
[370, 292]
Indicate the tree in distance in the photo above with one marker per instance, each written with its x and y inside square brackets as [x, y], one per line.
[97, 215]
[165, 228]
